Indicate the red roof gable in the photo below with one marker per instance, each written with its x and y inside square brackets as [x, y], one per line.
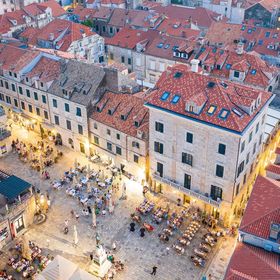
[226, 115]
[123, 103]
[263, 208]
[57, 10]
[252, 263]
[274, 168]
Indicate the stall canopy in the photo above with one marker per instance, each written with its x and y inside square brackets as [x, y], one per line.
[12, 186]
[63, 269]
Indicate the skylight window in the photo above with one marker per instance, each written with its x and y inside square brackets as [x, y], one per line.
[253, 71]
[211, 110]
[214, 50]
[177, 75]
[211, 84]
[243, 27]
[249, 30]
[222, 51]
[228, 66]
[167, 46]
[175, 99]
[165, 96]
[224, 114]
[160, 45]
[237, 112]
[267, 34]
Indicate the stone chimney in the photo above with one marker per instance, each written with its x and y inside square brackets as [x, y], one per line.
[194, 65]
[240, 47]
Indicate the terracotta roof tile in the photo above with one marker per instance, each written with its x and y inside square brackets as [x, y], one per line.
[122, 104]
[187, 84]
[57, 10]
[263, 208]
[252, 263]
[274, 168]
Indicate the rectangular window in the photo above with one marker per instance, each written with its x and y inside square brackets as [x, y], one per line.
[112, 56]
[78, 112]
[254, 149]
[95, 126]
[237, 189]
[187, 159]
[16, 102]
[20, 90]
[118, 150]
[108, 131]
[44, 99]
[129, 61]
[96, 140]
[30, 108]
[27, 92]
[158, 147]
[160, 169]
[263, 117]
[80, 129]
[66, 106]
[136, 158]
[257, 127]
[13, 87]
[240, 168]
[222, 149]
[236, 74]
[6, 85]
[250, 136]
[135, 144]
[159, 127]
[123, 59]
[242, 146]
[260, 140]
[68, 124]
[118, 136]
[46, 115]
[2, 97]
[38, 111]
[189, 137]
[1, 83]
[35, 95]
[247, 158]
[244, 179]
[56, 120]
[109, 146]
[219, 171]
[216, 192]
[8, 99]
[22, 105]
[187, 181]
[54, 102]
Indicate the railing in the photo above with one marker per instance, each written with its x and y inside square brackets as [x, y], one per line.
[178, 186]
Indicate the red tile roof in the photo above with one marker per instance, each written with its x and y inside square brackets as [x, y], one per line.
[246, 62]
[29, 35]
[274, 168]
[112, 2]
[57, 10]
[202, 16]
[75, 32]
[6, 23]
[263, 208]
[84, 13]
[277, 151]
[252, 263]
[14, 59]
[178, 28]
[188, 85]
[103, 13]
[46, 69]
[34, 9]
[128, 38]
[123, 103]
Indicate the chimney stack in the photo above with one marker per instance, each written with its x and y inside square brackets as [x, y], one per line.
[194, 65]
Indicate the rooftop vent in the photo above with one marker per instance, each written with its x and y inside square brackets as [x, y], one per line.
[211, 84]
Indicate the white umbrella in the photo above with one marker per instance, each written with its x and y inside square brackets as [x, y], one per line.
[76, 240]
[111, 205]
[93, 217]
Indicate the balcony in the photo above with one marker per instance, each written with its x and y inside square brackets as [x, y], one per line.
[192, 193]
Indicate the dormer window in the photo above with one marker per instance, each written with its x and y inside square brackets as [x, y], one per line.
[64, 91]
[98, 109]
[110, 112]
[123, 117]
[224, 114]
[136, 123]
[236, 74]
[191, 108]
[218, 66]
[27, 79]
[42, 84]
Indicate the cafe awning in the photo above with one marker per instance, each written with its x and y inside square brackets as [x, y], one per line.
[13, 186]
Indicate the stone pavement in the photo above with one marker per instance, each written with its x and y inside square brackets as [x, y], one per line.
[139, 254]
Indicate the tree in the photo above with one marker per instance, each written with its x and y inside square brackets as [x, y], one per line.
[88, 23]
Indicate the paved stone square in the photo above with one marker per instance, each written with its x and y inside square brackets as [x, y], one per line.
[139, 254]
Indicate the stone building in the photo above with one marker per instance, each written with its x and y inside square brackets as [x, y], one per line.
[17, 207]
[119, 133]
[204, 146]
[5, 134]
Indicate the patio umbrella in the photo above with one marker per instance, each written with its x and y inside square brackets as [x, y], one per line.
[93, 217]
[111, 205]
[76, 240]
[75, 180]
[88, 187]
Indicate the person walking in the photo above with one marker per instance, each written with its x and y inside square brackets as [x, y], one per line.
[154, 270]
[114, 247]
